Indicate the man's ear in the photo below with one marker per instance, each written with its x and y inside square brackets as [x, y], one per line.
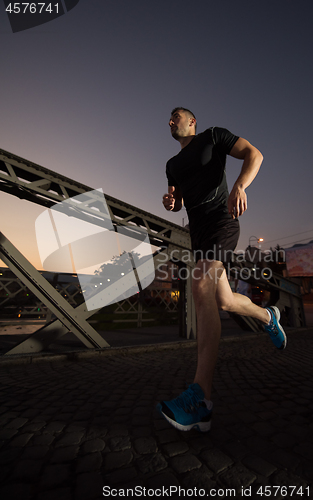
[193, 121]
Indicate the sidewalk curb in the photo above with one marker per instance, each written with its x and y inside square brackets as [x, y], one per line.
[80, 355]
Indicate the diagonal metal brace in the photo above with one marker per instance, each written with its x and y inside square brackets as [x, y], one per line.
[69, 319]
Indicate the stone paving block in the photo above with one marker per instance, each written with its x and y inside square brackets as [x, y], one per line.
[236, 450]
[11, 414]
[266, 415]
[160, 423]
[259, 465]
[74, 427]
[259, 445]
[198, 441]
[54, 427]
[140, 411]
[285, 478]
[220, 435]
[5, 472]
[284, 458]
[131, 486]
[167, 435]
[57, 494]
[27, 470]
[82, 415]
[121, 412]
[216, 460]
[305, 470]
[89, 486]
[300, 432]
[70, 439]
[4, 421]
[298, 419]
[284, 440]
[118, 477]
[16, 491]
[93, 445]
[17, 423]
[119, 443]
[7, 433]
[173, 449]
[237, 477]
[117, 430]
[35, 452]
[33, 427]
[64, 454]
[9, 455]
[145, 445]
[89, 463]
[201, 479]
[45, 439]
[117, 459]
[241, 431]
[151, 463]
[185, 463]
[305, 450]
[54, 476]
[95, 432]
[165, 480]
[246, 416]
[139, 420]
[142, 432]
[21, 440]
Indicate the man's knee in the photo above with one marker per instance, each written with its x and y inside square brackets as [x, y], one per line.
[224, 305]
[204, 282]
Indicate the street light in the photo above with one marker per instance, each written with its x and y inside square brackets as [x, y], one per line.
[259, 240]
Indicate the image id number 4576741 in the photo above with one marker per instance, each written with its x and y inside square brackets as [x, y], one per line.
[284, 491]
[32, 8]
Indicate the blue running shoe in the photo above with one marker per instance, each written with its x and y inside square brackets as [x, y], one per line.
[275, 330]
[188, 411]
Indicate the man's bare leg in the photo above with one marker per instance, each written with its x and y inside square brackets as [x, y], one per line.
[204, 287]
[212, 292]
[237, 303]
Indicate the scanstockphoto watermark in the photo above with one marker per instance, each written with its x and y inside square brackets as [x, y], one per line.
[78, 236]
[164, 492]
[170, 264]
[172, 273]
[217, 254]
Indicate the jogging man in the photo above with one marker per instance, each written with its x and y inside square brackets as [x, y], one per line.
[196, 177]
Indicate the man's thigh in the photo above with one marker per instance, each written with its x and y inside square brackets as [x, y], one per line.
[205, 277]
[207, 269]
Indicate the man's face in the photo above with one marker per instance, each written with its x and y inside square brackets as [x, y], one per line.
[180, 124]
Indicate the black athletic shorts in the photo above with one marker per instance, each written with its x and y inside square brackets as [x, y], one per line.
[213, 238]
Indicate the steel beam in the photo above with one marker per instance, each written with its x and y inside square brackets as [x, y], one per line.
[72, 319]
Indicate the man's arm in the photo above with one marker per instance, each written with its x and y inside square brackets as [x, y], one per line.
[173, 200]
[252, 160]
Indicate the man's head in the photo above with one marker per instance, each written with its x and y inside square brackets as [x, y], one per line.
[183, 123]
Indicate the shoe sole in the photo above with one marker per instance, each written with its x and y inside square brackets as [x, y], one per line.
[277, 315]
[199, 426]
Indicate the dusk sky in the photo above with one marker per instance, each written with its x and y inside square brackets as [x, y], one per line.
[89, 95]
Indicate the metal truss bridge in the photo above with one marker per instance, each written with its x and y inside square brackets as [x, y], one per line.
[28, 181]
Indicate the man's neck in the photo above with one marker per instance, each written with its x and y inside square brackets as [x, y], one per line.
[184, 141]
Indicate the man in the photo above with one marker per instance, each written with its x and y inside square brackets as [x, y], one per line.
[196, 177]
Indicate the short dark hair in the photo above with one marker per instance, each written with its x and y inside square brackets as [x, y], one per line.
[186, 111]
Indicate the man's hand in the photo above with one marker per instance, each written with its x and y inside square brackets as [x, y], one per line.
[237, 201]
[168, 199]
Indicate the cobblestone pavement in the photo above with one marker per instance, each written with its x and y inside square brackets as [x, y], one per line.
[71, 428]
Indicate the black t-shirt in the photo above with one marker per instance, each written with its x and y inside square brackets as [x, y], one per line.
[199, 170]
